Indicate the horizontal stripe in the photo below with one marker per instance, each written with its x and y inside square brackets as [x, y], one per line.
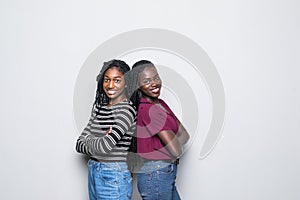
[122, 118]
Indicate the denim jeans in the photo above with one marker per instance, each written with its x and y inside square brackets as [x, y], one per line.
[109, 181]
[156, 181]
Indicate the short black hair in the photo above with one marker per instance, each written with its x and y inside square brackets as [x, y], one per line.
[142, 64]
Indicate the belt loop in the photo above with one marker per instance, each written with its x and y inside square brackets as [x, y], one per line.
[175, 162]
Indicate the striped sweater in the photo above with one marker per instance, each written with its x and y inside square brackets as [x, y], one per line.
[114, 146]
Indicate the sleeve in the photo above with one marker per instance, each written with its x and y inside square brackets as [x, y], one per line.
[81, 146]
[168, 108]
[124, 119]
[154, 119]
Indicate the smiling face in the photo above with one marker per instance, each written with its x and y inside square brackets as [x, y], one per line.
[114, 85]
[150, 83]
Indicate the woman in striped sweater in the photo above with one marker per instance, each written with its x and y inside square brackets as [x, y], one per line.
[107, 137]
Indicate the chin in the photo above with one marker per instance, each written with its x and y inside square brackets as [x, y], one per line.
[155, 96]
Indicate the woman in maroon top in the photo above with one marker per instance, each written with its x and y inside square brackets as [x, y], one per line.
[160, 135]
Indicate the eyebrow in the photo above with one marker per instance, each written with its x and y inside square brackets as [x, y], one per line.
[113, 77]
[151, 77]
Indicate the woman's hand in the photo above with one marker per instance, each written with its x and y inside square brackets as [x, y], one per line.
[109, 131]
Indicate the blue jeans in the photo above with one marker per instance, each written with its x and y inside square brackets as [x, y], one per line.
[109, 181]
[156, 181]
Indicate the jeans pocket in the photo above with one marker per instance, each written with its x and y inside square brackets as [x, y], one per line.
[125, 184]
[126, 175]
[109, 176]
[166, 170]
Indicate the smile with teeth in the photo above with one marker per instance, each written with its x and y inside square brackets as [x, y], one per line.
[155, 90]
[111, 92]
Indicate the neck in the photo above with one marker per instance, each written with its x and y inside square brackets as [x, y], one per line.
[152, 100]
[116, 101]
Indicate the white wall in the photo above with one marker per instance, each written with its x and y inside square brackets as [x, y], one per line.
[253, 44]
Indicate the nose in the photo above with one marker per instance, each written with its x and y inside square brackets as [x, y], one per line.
[153, 83]
[111, 84]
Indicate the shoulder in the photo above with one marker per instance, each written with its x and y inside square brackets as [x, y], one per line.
[152, 111]
[144, 106]
[162, 102]
[165, 105]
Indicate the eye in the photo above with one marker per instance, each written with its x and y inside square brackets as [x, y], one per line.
[156, 78]
[106, 80]
[146, 82]
[117, 81]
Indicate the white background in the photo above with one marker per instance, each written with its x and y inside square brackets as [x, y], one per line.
[253, 44]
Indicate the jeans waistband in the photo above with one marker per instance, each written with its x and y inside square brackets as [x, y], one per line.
[107, 161]
[175, 162]
[118, 166]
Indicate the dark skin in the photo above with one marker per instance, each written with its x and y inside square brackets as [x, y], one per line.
[182, 135]
[171, 141]
[150, 86]
[114, 87]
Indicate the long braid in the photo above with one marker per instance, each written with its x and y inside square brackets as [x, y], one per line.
[136, 94]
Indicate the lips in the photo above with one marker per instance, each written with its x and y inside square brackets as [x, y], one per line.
[111, 92]
[155, 90]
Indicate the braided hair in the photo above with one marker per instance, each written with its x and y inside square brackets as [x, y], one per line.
[101, 98]
[137, 68]
[135, 98]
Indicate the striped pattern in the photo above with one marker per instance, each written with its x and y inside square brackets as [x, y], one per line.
[113, 147]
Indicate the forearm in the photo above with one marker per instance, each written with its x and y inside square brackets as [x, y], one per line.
[99, 145]
[175, 148]
[171, 142]
[93, 138]
[106, 143]
[81, 147]
[182, 135]
[89, 144]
